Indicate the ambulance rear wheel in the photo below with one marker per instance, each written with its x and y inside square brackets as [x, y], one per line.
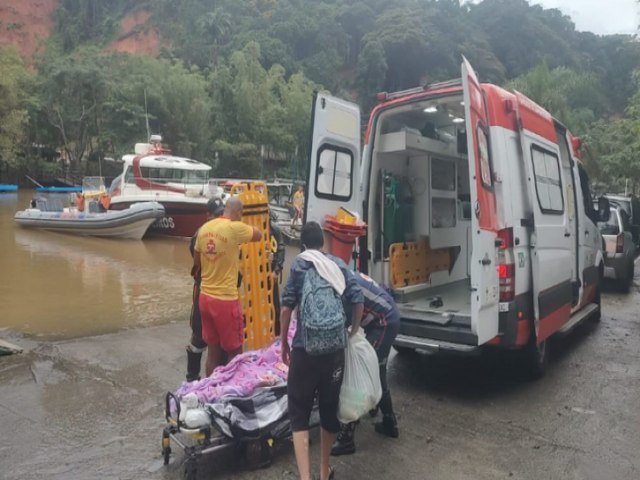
[536, 357]
[627, 282]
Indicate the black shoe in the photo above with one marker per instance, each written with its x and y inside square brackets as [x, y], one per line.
[345, 441]
[343, 448]
[388, 426]
[193, 365]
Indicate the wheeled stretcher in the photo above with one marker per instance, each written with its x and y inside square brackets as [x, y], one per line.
[241, 406]
[252, 436]
[251, 426]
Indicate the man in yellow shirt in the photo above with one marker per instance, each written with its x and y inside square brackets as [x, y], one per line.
[217, 258]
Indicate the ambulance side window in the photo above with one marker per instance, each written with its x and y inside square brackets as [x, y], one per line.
[586, 195]
[334, 172]
[546, 170]
[485, 160]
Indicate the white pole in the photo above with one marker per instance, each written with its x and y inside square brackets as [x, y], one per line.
[146, 115]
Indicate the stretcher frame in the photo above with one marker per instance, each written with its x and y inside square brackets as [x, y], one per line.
[210, 439]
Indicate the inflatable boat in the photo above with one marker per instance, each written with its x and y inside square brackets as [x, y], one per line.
[131, 222]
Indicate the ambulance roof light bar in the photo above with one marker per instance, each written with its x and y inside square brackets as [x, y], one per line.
[384, 96]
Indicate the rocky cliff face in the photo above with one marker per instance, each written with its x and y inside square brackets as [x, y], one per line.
[137, 35]
[27, 23]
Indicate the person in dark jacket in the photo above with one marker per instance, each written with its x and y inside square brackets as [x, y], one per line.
[215, 209]
[381, 322]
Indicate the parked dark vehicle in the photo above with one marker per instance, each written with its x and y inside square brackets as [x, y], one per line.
[620, 249]
[631, 205]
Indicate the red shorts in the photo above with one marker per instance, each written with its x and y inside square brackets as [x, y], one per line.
[222, 322]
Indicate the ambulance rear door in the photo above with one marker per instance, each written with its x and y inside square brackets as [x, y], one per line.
[484, 265]
[334, 163]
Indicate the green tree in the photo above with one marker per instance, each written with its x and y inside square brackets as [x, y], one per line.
[179, 106]
[523, 35]
[405, 40]
[238, 74]
[73, 89]
[574, 98]
[89, 21]
[372, 71]
[15, 85]
[253, 106]
[613, 147]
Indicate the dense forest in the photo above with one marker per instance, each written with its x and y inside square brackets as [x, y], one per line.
[233, 82]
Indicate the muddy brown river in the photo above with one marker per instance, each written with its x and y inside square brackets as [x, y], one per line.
[57, 286]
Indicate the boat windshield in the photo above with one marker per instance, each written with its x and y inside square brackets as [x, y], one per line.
[93, 185]
[170, 175]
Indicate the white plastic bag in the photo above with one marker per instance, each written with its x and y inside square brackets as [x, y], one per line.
[361, 389]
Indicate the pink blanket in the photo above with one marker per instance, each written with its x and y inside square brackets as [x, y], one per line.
[242, 375]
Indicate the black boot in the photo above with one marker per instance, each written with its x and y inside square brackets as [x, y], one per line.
[193, 365]
[345, 444]
[388, 426]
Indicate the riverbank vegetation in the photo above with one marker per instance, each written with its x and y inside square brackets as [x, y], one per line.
[233, 80]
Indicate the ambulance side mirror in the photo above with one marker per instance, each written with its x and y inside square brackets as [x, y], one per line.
[604, 209]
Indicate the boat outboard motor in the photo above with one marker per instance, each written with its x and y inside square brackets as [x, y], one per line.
[40, 203]
[94, 206]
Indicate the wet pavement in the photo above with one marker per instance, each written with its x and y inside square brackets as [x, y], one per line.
[91, 408]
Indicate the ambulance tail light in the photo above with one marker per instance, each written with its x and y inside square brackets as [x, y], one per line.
[507, 280]
[620, 243]
[506, 269]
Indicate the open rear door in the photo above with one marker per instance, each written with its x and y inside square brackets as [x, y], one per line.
[484, 265]
[551, 256]
[334, 164]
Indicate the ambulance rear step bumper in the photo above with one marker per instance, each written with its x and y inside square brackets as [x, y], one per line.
[434, 346]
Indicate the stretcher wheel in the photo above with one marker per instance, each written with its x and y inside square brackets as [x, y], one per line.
[257, 453]
[191, 465]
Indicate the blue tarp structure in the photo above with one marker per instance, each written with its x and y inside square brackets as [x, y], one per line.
[58, 189]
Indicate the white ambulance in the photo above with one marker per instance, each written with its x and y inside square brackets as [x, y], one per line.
[478, 211]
